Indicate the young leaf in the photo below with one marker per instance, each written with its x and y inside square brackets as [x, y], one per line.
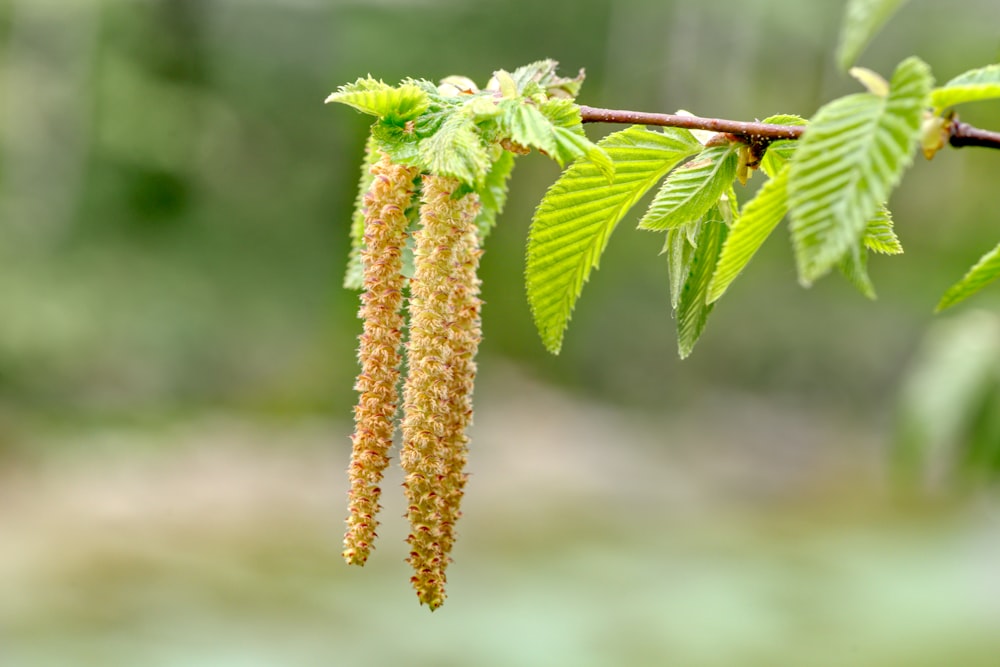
[679, 247]
[972, 86]
[572, 145]
[563, 113]
[862, 19]
[543, 74]
[879, 235]
[848, 161]
[395, 105]
[986, 270]
[694, 188]
[456, 149]
[854, 266]
[526, 125]
[693, 307]
[354, 277]
[493, 194]
[759, 218]
[872, 81]
[574, 221]
[559, 135]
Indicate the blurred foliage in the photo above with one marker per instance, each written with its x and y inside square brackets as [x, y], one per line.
[175, 198]
[948, 423]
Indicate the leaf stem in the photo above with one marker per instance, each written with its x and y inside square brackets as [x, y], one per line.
[959, 134]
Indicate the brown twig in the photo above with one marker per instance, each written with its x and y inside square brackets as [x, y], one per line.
[963, 134]
[960, 134]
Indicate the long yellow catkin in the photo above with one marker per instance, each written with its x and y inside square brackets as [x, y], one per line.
[379, 351]
[444, 337]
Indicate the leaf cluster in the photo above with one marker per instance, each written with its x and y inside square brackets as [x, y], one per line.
[833, 185]
[457, 130]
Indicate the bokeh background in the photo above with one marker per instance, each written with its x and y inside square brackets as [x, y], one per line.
[177, 355]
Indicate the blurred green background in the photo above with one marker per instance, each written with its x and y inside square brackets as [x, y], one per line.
[177, 355]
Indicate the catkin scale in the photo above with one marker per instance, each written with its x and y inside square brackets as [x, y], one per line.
[379, 350]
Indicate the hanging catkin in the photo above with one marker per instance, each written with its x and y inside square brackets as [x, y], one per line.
[444, 337]
[379, 351]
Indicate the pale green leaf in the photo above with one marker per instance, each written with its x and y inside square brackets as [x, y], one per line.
[575, 219]
[880, 236]
[729, 206]
[526, 125]
[972, 86]
[562, 112]
[872, 81]
[862, 19]
[493, 193]
[759, 218]
[854, 152]
[679, 247]
[543, 75]
[986, 270]
[692, 189]
[354, 277]
[392, 104]
[854, 266]
[570, 146]
[456, 149]
[693, 307]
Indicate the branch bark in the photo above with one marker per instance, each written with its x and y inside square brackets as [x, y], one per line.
[959, 134]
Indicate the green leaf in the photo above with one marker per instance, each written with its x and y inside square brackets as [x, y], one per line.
[456, 149]
[570, 146]
[759, 218]
[854, 266]
[574, 221]
[986, 270]
[972, 86]
[493, 194]
[401, 146]
[862, 19]
[354, 277]
[526, 125]
[395, 105]
[543, 74]
[679, 247]
[854, 152]
[880, 236]
[694, 188]
[693, 307]
[562, 113]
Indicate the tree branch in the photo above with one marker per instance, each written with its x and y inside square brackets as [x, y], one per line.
[760, 134]
[963, 134]
[756, 131]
